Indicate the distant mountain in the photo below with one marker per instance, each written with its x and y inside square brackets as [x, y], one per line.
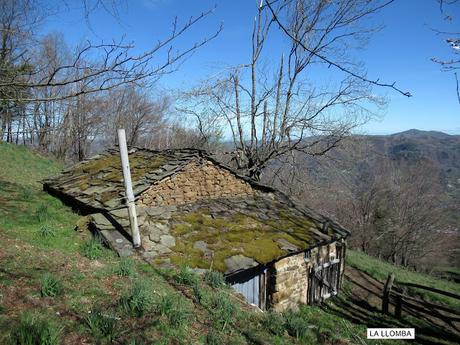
[431, 152]
[414, 146]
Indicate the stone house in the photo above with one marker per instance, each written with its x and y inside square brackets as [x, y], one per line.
[194, 211]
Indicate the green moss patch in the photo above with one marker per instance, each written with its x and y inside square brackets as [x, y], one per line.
[249, 234]
[108, 168]
[99, 181]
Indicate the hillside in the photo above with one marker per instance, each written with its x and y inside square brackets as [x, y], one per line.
[413, 146]
[434, 155]
[65, 287]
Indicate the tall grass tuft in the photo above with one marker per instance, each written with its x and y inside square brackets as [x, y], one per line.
[296, 325]
[186, 276]
[179, 315]
[274, 322]
[139, 300]
[42, 213]
[214, 279]
[125, 268]
[33, 330]
[51, 286]
[103, 326]
[224, 310]
[26, 194]
[164, 304]
[93, 248]
[201, 295]
[215, 337]
[174, 309]
[46, 231]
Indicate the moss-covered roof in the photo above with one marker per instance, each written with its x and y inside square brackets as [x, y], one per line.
[264, 227]
[226, 234]
[98, 181]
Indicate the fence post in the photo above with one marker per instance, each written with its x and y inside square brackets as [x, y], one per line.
[399, 302]
[386, 293]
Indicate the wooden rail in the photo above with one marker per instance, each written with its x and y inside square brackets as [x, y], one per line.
[423, 287]
[412, 305]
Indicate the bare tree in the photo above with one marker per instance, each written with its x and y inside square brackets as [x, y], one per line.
[395, 208]
[452, 38]
[49, 92]
[271, 109]
[99, 67]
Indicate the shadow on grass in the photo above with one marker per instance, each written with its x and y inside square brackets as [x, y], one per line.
[357, 309]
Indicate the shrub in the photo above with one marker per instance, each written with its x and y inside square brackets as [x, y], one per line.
[42, 213]
[50, 286]
[92, 248]
[125, 268]
[139, 300]
[46, 231]
[224, 310]
[274, 322]
[296, 325]
[102, 326]
[214, 279]
[32, 330]
[186, 277]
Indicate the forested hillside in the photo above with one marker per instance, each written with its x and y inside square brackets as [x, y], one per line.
[399, 193]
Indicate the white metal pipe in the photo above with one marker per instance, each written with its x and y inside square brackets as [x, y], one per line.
[128, 188]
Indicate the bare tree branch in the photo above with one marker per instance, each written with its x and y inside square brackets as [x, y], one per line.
[335, 64]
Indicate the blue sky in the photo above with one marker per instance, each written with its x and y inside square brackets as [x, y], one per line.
[400, 52]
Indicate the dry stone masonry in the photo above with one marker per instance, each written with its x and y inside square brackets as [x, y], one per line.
[197, 181]
[290, 276]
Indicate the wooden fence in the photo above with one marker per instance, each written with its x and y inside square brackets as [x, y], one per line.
[396, 294]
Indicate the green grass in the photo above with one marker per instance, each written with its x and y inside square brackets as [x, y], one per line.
[51, 286]
[186, 276]
[138, 300]
[33, 329]
[93, 248]
[103, 326]
[125, 268]
[379, 270]
[214, 279]
[25, 167]
[46, 230]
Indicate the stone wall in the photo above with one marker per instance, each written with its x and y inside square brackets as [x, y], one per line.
[288, 283]
[288, 278]
[198, 180]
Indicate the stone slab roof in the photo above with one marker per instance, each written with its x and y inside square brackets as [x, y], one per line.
[226, 234]
[233, 234]
[98, 181]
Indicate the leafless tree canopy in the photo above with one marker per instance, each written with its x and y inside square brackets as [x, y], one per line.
[309, 99]
[452, 38]
[58, 98]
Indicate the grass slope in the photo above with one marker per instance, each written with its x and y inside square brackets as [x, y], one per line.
[379, 270]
